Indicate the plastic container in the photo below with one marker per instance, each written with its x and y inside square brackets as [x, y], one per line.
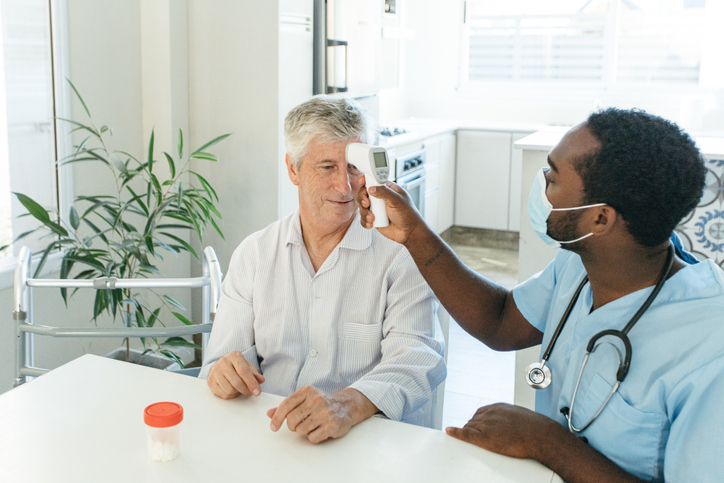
[162, 430]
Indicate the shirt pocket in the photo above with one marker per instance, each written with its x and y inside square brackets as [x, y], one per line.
[629, 437]
[361, 350]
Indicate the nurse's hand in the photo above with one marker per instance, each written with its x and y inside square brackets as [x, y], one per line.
[505, 429]
[404, 217]
[233, 375]
[320, 416]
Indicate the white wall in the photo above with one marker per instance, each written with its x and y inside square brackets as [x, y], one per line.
[233, 88]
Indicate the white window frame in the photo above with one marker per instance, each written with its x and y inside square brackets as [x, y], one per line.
[575, 92]
[62, 96]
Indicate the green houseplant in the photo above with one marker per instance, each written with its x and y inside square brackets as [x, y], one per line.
[125, 232]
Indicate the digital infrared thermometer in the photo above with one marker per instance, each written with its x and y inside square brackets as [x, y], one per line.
[375, 165]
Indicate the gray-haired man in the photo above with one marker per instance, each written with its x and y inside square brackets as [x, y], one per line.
[318, 309]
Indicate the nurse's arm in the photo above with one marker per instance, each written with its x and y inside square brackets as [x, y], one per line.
[483, 308]
[521, 433]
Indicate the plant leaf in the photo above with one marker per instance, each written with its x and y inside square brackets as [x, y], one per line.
[37, 211]
[171, 165]
[97, 230]
[79, 97]
[180, 144]
[211, 143]
[150, 152]
[153, 317]
[182, 242]
[206, 156]
[173, 302]
[173, 356]
[182, 318]
[73, 217]
[43, 259]
[209, 189]
[179, 342]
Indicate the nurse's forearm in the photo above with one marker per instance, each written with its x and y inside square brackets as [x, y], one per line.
[576, 462]
[482, 307]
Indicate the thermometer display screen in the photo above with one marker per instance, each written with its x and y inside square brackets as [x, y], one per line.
[380, 159]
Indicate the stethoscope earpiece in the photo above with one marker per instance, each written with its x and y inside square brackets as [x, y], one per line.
[537, 375]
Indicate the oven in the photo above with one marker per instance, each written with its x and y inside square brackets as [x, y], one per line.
[410, 175]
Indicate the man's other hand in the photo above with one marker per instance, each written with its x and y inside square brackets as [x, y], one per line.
[505, 429]
[320, 416]
[404, 217]
[233, 375]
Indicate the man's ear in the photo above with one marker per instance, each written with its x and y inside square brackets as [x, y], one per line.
[606, 219]
[293, 175]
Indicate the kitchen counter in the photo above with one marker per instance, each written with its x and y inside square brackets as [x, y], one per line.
[712, 147]
[419, 129]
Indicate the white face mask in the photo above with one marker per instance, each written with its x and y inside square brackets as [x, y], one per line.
[539, 209]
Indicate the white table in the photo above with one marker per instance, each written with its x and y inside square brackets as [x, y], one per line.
[84, 422]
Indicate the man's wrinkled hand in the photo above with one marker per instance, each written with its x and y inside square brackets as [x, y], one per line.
[320, 416]
[233, 375]
[504, 429]
[404, 217]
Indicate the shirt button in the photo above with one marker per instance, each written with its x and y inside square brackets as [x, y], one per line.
[313, 353]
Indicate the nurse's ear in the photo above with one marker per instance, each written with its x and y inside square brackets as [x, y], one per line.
[605, 220]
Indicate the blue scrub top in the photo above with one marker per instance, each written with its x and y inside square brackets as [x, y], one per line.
[667, 419]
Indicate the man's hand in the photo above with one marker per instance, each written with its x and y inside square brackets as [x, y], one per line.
[319, 416]
[233, 375]
[507, 430]
[404, 217]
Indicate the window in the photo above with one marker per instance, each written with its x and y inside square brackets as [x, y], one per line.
[584, 42]
[27, 135]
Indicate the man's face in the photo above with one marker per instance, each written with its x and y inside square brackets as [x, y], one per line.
[328, 185]
[564, 187]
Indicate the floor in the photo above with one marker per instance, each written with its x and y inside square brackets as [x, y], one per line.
[478, 376]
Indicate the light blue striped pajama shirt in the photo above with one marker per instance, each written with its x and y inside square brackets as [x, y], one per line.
[365, 320]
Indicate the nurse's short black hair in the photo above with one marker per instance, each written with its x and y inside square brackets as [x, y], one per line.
[648, 169]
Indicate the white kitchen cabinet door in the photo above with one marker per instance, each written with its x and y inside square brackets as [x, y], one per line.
[516, 169]
[446, 202]
[432, 176]
[432, 209]
[483, 179]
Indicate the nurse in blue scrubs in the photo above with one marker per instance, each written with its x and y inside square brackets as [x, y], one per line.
[631, 326]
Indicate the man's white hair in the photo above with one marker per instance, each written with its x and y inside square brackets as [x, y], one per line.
[329, 119]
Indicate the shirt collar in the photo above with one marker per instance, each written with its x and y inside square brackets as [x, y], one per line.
[356, 238]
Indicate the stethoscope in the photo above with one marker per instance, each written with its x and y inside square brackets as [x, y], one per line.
[538, 375]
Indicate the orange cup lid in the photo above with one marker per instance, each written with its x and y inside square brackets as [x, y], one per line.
[163, 414]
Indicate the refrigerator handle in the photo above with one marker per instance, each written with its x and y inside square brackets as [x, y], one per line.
[333, 87]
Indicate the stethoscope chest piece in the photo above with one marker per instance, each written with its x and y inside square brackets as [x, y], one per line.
[537, 375]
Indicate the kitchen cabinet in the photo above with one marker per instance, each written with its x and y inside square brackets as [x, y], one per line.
[440, 181]
[488, 180]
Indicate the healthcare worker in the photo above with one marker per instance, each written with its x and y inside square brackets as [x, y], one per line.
[631, 327]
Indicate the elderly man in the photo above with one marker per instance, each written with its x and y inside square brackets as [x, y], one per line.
[318, 309]
[631, 325]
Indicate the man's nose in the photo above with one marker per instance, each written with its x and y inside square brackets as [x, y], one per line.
[343, 184]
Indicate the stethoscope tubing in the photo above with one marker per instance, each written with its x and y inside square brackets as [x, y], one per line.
[621, 334]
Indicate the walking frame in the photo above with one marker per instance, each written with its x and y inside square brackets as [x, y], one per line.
[25, 328]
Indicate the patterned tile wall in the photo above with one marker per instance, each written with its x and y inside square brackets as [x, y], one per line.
[702, 232]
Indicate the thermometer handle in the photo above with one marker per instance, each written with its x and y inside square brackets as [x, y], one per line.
[379, 209]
